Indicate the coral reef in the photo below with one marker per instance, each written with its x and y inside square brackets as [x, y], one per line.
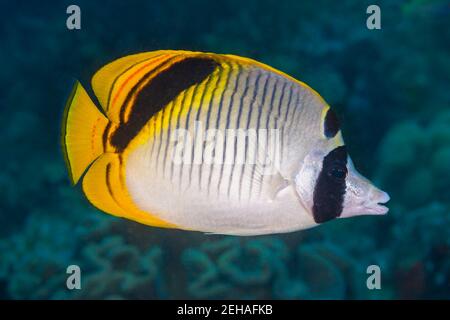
[416, 172]
[266, 268]
[424, 270]
[118, 271]
[34, 262]
[417, 176]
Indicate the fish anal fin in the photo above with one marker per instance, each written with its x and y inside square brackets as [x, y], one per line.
[104, 188]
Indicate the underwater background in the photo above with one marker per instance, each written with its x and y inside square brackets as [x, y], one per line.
[390, 88]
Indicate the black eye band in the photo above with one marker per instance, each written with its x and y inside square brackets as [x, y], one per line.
[329, 191]
[331, 124]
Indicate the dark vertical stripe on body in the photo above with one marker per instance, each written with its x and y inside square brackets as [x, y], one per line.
[294, 108]
[177, 127]
[238, 122]
[288, 105]
[280, 101]
[219, 113]
[266, 147]
[168, 137]
[187, 133]
[160, 136]
[249, 118]
[284, 131]
[153, 123]
[258, 123]
[208, 115]
[227, 123]
[301, 105]
[197, 118]
[277, 121]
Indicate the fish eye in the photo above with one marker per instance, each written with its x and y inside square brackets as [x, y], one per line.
[338, 172]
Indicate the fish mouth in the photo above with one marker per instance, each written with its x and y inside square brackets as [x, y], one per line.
[377, 209]
[374, 205]
[377, 206]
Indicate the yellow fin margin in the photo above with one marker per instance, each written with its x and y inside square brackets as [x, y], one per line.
[104, 187]
[113, 82]
[82, 131]
[104, 79]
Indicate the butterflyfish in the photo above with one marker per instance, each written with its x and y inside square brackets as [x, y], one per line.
[214, 143]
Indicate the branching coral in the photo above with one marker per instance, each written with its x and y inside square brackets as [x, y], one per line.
[262, 268]
[235, 267]
[34, 262]
[116, 270]
[312, 273]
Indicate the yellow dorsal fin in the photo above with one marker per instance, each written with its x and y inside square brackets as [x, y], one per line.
[103, 185]
[114, 81]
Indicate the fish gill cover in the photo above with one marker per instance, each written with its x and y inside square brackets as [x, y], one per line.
[389, 87]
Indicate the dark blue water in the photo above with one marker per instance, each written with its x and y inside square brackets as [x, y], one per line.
[390, 88]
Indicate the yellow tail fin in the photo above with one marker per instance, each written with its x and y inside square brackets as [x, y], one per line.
[103, 183]
[82, 132]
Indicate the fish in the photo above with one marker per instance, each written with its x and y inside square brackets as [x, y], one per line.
[215, 143]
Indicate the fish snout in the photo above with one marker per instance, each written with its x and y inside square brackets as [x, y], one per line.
[375, 201]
